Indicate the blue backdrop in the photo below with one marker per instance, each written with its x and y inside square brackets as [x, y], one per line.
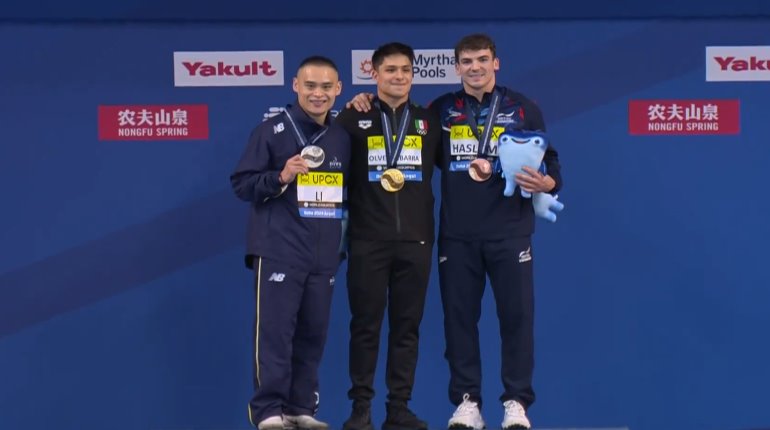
[124, 303]
[353, 10]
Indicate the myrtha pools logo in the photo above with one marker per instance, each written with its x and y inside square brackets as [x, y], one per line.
[431, 66]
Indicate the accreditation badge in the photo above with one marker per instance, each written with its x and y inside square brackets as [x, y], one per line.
[409, 161]
[319, 194]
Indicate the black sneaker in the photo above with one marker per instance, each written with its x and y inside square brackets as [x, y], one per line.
[399, 417]
[360, 418]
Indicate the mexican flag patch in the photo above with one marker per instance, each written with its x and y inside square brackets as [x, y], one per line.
[421, 126]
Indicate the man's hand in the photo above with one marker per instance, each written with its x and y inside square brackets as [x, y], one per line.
[362, 102]
[534, 182]
[294, 166]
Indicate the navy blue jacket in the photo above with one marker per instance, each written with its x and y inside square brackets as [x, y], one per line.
[478, 210]
[276, 230]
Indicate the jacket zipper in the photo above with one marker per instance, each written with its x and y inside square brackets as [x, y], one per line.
[317, 228]
[398, 215]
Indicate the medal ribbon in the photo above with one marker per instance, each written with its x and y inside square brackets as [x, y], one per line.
[392, 153]
[301, 140]
[494, 107]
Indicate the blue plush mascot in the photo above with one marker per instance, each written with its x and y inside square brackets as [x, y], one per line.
[519, 148]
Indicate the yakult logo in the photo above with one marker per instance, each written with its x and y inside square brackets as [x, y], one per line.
[737, 63]
[223, 69]
[236, 68]
[431, 66]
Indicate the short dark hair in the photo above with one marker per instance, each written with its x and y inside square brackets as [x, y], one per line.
[318, 60]
[389, 49]
[475, 42]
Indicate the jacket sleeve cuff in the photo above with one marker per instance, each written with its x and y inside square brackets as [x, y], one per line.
[275, 183]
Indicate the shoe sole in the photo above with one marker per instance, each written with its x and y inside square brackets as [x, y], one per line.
[464, 427]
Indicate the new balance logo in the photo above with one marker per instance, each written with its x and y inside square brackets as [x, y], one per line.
[441, 259]
[277, 277]
[525, 256]
[278, 128]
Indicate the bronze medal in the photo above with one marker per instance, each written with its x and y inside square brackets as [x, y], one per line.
[480, 170]
[392, 180]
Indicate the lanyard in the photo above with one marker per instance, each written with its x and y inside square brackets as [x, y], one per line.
[301, 140]
[393, 147]
[484, 139]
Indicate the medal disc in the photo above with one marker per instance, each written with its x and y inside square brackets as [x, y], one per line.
[392, 180]
[313, 156]
[480, 170]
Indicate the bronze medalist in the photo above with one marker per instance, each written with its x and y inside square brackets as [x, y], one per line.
[480, 170]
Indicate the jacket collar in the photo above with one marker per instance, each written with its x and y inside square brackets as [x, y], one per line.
[387, 108]
[485, 99]
[304, 122]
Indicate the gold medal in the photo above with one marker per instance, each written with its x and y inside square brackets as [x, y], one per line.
[480, 170]
[392, 180]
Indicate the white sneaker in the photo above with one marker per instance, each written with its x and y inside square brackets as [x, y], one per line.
[271, 423]
[303, 422]
[467, 416]
[515, 416]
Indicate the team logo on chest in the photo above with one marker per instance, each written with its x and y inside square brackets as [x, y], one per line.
[422, 127]
[505, 118]
[335, 164]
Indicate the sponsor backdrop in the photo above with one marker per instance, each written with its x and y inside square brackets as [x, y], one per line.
[124, 303]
